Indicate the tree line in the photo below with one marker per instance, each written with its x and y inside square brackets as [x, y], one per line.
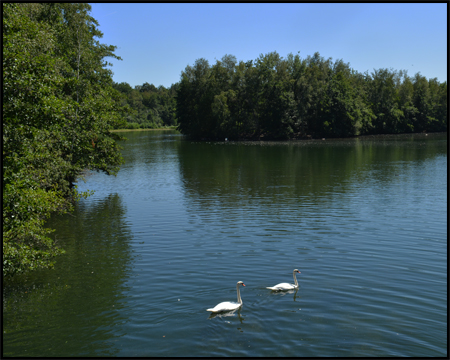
[276, 98]
[59, 105]
[148, 106]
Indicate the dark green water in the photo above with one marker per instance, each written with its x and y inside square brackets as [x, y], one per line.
[364, 220]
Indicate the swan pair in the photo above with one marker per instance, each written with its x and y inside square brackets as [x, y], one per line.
[230, 305]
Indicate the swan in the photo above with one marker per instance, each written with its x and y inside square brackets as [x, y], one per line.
[229, 305]
[286, 286]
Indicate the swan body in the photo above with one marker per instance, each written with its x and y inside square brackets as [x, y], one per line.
[225, 306]
[229, 305]
[286, 286]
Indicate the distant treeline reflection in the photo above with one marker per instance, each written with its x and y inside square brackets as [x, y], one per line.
[243, 170]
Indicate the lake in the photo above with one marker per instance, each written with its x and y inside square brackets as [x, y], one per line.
[364, 220]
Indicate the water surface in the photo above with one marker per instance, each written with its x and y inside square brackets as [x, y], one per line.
[364, 220]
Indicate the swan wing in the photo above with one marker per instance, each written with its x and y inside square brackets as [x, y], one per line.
[225, 306]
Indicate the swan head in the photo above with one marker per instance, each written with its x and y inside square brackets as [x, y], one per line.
[240, 283]
[296, 270]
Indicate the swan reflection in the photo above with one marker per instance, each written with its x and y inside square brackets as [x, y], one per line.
[283, 293]
[226, 314]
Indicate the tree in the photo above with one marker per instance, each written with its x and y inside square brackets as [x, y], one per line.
[88, 89]
[276, 98]
[384, 97]
[313, 87]
[422, 102]
[194, 100]
[58, 108]
[437, 106]
[405, 92]
[123, 87]
[339, 116]
[148, 106]
[146, 87]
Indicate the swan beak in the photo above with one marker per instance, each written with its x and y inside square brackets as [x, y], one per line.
[243, 284]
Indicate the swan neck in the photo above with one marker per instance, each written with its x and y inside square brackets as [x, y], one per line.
[295, 280]
[238, 295]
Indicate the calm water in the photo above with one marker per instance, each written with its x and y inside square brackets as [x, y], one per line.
[365, 221]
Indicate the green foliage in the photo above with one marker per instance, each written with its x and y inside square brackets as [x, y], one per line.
[339, 112]
[26, 245]
[147, 105]
[276, 98]
[58, 108]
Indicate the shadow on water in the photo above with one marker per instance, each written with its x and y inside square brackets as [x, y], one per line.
[93, 271]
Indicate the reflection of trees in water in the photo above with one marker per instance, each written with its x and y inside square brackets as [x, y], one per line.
[149, 147]
[74, 310]
[237, 172]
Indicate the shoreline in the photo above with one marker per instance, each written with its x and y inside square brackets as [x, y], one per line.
[300, 138]
[120, 130]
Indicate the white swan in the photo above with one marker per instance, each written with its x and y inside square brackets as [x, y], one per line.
[229, 305]
[286, 286]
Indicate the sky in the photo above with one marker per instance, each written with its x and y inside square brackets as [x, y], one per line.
[158, 40]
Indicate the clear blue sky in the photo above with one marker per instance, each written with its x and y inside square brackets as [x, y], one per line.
[157, 41]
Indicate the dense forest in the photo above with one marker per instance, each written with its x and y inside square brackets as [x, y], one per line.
[148, 106]
[276, 98]
[59, 105]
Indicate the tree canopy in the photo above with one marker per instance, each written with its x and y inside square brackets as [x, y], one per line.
[147, 106]
[59, 105]
[276, 98]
